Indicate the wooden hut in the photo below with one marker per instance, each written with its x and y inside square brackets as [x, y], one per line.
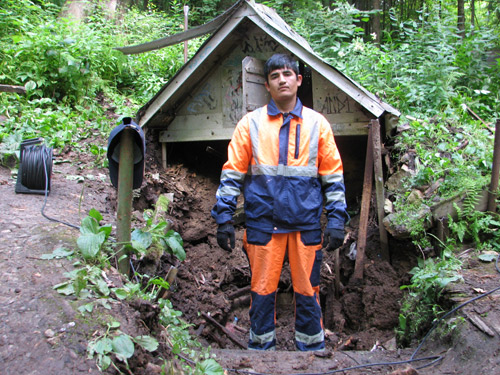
[224, 80]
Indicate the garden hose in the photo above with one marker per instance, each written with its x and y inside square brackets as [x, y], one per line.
[35, 167]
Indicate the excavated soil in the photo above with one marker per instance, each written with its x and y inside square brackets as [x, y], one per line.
[41, 331]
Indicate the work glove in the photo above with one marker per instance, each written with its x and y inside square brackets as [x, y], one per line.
[333, 238]
[225, 232]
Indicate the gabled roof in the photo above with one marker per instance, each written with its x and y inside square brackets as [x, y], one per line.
[226, 28]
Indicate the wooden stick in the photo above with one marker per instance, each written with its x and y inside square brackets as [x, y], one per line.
[365, 209]
[170, 278]
[379, 187]
[492, 193]
[224, 330]
[10, 88]
[239, 292]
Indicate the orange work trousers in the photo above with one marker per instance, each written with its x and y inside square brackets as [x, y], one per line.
[266, 253]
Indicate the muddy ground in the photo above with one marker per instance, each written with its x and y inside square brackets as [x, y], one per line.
[41, 332]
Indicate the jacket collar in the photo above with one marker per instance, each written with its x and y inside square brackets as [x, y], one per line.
[272, 110]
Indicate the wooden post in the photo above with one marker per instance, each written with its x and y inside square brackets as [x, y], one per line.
[365, 209]
[492, 193]
[124, 210]
[164, 155]
[379, 188]
[186, 12]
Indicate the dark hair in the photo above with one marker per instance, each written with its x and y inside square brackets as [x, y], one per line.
[280, 61]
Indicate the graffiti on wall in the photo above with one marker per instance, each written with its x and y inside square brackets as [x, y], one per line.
[205, 100]
[336, 103]
[259, 43]
[233, 97]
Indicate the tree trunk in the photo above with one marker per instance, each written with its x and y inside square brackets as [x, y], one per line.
[376, 21]
[461, 18]
[78, 9]
[75, 9]
[473, 13]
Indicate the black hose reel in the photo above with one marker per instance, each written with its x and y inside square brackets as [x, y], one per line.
[35, 167]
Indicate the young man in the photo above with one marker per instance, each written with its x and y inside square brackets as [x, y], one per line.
[284, 158]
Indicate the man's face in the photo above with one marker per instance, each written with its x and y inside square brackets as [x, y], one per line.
[283, 84]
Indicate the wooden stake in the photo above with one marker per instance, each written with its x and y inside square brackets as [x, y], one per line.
[365, 209]
[492, 194]
[379, 187]
[164, 155]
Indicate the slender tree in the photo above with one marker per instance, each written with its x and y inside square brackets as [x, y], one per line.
[461, 17]
[376, 21]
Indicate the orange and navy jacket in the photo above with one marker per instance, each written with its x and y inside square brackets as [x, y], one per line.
[285, 165]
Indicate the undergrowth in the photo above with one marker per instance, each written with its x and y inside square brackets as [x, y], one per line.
[91, 283]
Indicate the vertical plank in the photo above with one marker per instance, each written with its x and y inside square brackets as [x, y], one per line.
[379, 187]
[365, 208]
[164, 155]
[492, 193]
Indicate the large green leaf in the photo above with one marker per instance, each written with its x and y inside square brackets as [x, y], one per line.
[211, 367]
[174, 242]
[147, 342]
[103, 346]
[96, 215]
[90, 243]
[123, 347]
[141, 240]
[89, 225]
[60, 252]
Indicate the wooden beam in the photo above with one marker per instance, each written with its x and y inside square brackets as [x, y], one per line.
[379, 187]
[365, 209]
[180, 37]
[10, 88]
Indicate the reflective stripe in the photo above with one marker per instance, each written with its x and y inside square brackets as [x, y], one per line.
[329, 179]
[313, 143]
[309, 340]
[335, 196]
[271, 349]
[283, 170]
[262, 339]
[227, 191]
[254, 122]
[232, 175]
[230, 189]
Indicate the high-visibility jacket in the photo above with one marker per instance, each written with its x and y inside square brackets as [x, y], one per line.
[285, 164]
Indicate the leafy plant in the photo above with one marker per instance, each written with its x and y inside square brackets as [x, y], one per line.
[113, 343]
[92, 235]
[421, 306]
[156, 236]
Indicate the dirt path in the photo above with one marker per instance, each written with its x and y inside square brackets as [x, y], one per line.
[41, 332]
[38, 329]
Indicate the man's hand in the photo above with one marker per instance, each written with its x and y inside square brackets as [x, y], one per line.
[225, 232]
[333, 238]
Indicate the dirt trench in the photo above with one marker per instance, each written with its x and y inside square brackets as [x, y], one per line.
[357, 316]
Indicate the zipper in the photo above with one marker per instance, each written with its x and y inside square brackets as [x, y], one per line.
[297, 141]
